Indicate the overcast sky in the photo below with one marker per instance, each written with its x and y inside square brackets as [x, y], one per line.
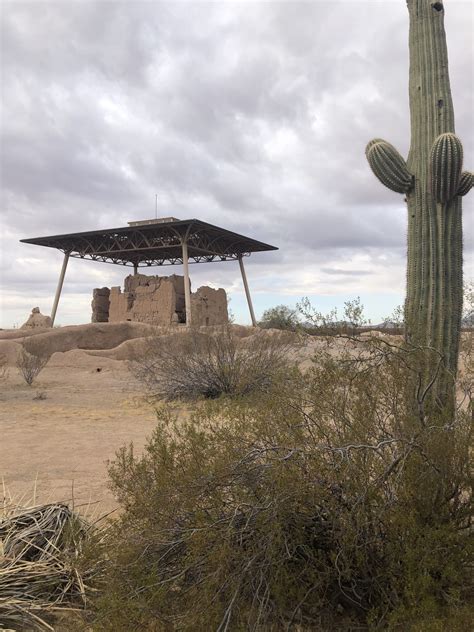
[253, 116]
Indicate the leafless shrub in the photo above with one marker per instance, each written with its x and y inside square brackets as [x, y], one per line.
[30, 362]
[3, 367]
[317, 323]
[197, 364]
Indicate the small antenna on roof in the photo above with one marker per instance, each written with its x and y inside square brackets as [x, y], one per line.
[156, 205]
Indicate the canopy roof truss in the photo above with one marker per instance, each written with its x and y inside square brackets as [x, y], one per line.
[155, 244]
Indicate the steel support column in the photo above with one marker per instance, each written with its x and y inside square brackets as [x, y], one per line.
[247, 291]
[187, 285]
[60, 287]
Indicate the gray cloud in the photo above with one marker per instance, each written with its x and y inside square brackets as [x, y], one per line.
[253, 116]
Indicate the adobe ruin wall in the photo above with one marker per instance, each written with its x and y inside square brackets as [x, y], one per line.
[158, 301]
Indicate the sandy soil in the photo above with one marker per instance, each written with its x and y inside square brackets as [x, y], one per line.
[63, 442]
[58, 447]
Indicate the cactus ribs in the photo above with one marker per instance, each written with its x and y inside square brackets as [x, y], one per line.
[433, 183]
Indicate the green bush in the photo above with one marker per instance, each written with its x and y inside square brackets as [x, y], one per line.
[330, 503]
[280, 317]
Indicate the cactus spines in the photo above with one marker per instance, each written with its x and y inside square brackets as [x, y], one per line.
[388, 166]
[434, 295]
[466, 183]
[445, 166]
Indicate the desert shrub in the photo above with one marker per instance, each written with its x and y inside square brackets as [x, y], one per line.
[3, 367]
[330, 324]
[468, 305]
[209, 364]
[328, 503]
[4, 372]
[30, 362]
[280, 317]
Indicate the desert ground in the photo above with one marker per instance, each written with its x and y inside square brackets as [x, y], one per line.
[57, 435]
[58, 447]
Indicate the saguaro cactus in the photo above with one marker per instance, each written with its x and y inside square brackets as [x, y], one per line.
[433, 183]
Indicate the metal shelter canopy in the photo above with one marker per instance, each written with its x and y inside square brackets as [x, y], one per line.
[155, 243]
[158, 242]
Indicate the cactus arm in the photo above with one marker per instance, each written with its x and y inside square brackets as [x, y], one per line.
[445, 167]
[445, 174]
[466, 182]
[388, 165]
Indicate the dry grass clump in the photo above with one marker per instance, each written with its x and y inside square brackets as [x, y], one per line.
[209, 364]
[39, 573]
[334, 501]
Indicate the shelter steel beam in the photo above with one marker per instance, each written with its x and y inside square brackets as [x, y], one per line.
[187, 286]
[247, 291]
[60, 287]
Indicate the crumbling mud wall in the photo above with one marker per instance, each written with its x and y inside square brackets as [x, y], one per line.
[148, 299]
[100, 305]
[158, 301]
[209, 306]
[37, 320]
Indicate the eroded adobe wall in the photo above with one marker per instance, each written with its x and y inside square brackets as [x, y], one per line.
[100, 305]
[148, 299]
[158, 301]
[209, 307]
[37, 320]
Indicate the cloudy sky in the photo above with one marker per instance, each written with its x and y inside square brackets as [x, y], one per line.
[250, 115]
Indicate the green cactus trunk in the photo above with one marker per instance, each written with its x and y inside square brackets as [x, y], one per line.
[433, 183]
[434, 275]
